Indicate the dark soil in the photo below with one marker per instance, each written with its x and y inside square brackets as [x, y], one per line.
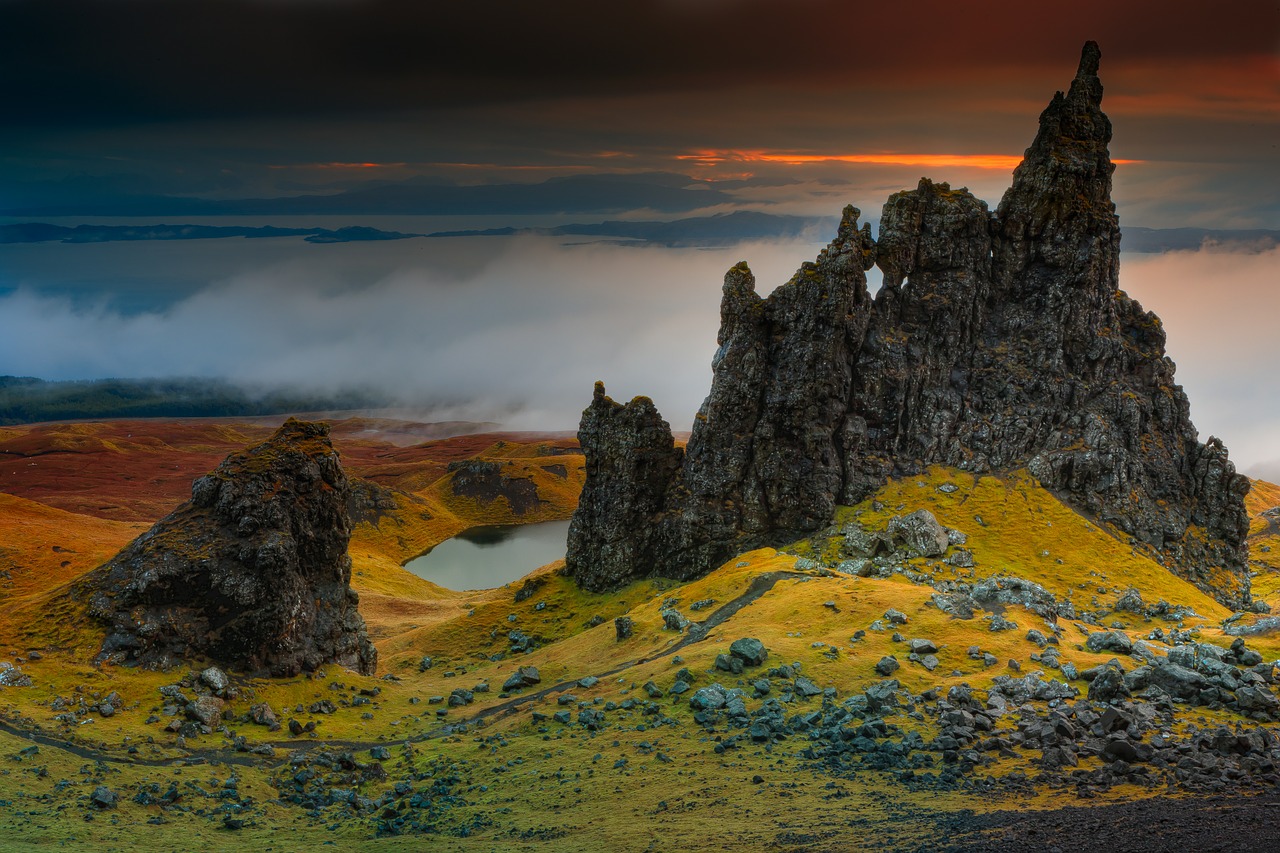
[1238, 823]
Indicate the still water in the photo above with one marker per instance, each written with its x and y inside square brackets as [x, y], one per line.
[485, 557]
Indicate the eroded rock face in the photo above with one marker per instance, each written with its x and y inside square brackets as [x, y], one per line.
[998, 341]
[253, 572]
[631, 460]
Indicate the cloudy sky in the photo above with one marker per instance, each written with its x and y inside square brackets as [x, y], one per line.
[226, 98]
[794, 107]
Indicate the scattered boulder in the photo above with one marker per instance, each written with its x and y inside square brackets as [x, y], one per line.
[729, 663]
[215, 679]
[207, 711]
[1109, 641]
[709, 698]
[1178, 681]
[920, 532]
[525, 676]
[887, 665]
[674, 620]
[1108, 685]
[749, 650]
[624, 627]
[860, 542]
[262, 715]
[1131, 602]
[103, 798]
[11, 676]
[805, 688]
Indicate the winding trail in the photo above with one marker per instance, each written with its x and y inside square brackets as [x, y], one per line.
[697, 632]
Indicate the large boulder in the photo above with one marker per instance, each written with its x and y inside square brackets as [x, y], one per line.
[920, 532]
[251, 573]
[749, 650]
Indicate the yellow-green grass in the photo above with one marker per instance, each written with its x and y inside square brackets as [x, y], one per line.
[1264, 542]
[544, 780]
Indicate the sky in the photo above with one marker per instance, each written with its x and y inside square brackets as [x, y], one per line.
[794, 107]
[236, 98]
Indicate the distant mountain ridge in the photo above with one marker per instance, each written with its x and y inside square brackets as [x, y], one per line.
[41, 232]
[717, 230]
[609, 193]
[28, 400]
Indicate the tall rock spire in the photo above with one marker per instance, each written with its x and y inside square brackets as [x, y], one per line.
[998, 341]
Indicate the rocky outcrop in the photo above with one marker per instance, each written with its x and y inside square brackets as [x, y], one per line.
[483, 480]
[998, 341]
[253, 572]
[631, 460]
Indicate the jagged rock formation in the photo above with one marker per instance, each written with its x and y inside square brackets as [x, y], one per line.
[253, 572]
[997, 341]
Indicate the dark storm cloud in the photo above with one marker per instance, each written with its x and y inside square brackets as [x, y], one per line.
[70, 62]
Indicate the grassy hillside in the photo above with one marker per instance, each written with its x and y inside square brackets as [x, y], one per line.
[391, 763]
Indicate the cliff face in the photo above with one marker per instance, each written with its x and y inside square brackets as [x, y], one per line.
[998, 341]
[253, 572]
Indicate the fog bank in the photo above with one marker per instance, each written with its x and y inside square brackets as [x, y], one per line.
[517, 329]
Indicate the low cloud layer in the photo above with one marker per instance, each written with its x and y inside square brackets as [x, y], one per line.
[1219, 310]
[518, 329]
[525, 326]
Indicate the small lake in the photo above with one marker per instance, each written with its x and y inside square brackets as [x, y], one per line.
[487, 557]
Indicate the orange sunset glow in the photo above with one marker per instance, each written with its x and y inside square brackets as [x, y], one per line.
[787, 158]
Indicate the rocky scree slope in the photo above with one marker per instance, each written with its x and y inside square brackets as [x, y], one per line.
[998, 341]
[252, 572]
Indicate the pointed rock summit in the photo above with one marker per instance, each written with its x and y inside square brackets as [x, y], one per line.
[997, 342]
[253, 572]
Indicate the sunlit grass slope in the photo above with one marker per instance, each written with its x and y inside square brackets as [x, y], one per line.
[499, 771]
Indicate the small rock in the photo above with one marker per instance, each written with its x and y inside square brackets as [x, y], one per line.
[728, 663]
[215, 679]
[624, 627]
[206, 710]
[103, 798]
[922, 647]
[1110, 641]
[749, 650]
[525, 676]
[674, 620]
[262, 715]
[805, 688]
[709, 698]
[887, 665]
[896, 617]
[920, 532]
[11, 676]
